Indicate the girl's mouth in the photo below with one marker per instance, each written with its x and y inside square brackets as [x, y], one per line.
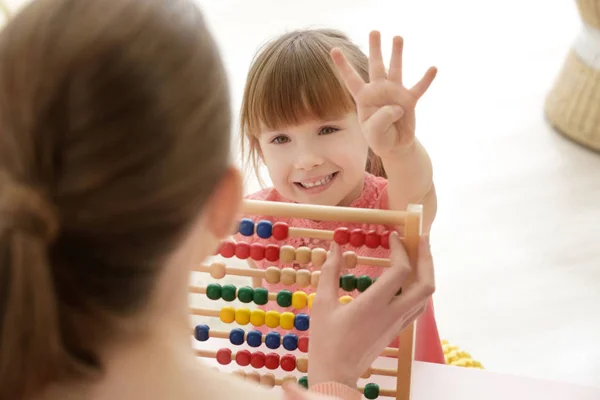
[319, 185]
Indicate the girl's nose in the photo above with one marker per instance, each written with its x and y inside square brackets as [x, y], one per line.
[306, 160]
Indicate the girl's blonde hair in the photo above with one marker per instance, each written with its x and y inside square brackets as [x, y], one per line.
[293, 79]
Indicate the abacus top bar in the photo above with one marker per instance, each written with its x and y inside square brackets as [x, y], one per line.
[326, 213]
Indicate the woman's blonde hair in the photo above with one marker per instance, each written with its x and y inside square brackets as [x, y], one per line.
[293, 79]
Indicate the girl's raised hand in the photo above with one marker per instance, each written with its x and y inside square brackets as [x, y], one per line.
[385, 107]
[347, 338]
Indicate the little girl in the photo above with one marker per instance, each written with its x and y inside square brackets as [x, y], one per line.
[327, 137]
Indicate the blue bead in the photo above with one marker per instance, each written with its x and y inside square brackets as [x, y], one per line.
[246, 227]
[264, 229]
[301, 322]
[254, 338]
[201, 332]
[236, 336]
[273, 340]
[290, 342]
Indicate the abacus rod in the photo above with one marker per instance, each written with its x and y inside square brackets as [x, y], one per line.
[309, 233]
[324, 213]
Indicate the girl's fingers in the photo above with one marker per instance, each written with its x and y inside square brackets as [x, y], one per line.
[421, 87]
[376, 67]
[329, 281]
[395, 72]
[383, 118]
[351, 78]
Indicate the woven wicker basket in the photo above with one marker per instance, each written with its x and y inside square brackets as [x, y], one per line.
[573, 104]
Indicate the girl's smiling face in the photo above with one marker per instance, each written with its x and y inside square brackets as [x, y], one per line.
[317, 162]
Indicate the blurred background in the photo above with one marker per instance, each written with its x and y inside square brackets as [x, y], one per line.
[517, 238]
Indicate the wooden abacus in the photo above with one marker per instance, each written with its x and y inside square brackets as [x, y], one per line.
[411, 222]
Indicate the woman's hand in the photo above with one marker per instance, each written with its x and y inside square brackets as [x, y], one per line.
[346, 339]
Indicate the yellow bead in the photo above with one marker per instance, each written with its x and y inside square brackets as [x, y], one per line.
[272, 319]
[299, 300]
[227, 314]
[242, 316]
[286, 320]
[345, 299]
[311, 298]
[257, 317]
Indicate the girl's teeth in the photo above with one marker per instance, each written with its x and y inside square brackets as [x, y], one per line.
[317, 183]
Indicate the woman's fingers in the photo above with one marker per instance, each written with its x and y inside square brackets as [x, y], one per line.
[421, 87]
[395, 72]
[376, 67]
[328, 287]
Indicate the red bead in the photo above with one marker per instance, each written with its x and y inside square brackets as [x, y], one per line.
[227, 249]
[303, 344]
[372, 239]
[257, 251]
[242, 250]
[272, 361]
[257, 359]
[288, 362]
[242, 358]
[357, 237]
[341, 236]
[280, 230]
[224, 356]
[272, 252]
[385, 239]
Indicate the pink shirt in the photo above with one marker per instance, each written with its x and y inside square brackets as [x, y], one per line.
[374, 196]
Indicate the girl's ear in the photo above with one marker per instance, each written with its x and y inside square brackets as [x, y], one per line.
[225, 204]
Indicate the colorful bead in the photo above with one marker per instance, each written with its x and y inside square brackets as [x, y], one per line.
[227, 315]
[303, 255]
[228, 292]
[302, 322]
[224, 356]
[303, 344]
[217, 270]
[318, 257]
[288, 362]
[314, 278]
[268, 380]
[357, 237]
[299, 300]
[257, 359]
[273, 340]
[213, 291]
[345, 299]
[236, 336]
[227, 249]
[257, 317]
[245, 294]
[287, 254]
[257, 251]
[302, 365]
[254, 338]
[242, 316]
[253, 376]
[385, 239]
[246, 227]
[264, 229]
[371, 391]
[303, 278]
[303, 382]
[261, 296]
[341, 236]
[272, 319]
[290, 342]
[288, 276]
[272, 361]
[242, 358]
[289, 379]
[280, 230]
[350, 259]
[242, 250]
[286, 320]
[272, 275]
[348, 282]
[272, 252]
[372, 239]
[363, 282]
[311, 298]
[202, 332]
[284, 298]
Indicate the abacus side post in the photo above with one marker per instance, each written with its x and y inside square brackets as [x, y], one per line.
[412, 233]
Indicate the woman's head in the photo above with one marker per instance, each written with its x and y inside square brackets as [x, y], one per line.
[299, 119]
[114, 140]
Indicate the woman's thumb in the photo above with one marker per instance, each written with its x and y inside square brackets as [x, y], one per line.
[330, 271]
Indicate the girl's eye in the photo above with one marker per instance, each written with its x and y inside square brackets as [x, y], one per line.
[326, 130]
[280, 140]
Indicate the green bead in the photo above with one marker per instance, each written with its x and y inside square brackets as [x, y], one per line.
[245, 294]
[303, 381]
[261, 296]
[284, 298]
[228, 292]
[348, 282]
[363, 282]
[213, 291]
[371, 390]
